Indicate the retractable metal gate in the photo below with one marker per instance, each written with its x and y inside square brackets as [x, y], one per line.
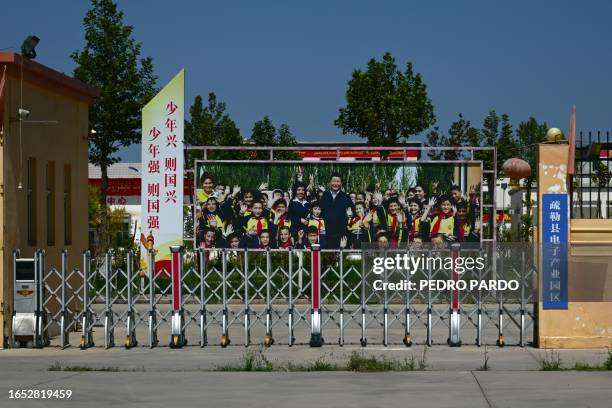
[242, 297]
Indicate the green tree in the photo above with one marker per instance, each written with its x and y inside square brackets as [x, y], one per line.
[211, 125]
[384, 104]
[489, 134]
[266, 134]
[111, 62]
[460, 134]
[506, 144]
[601, 177]
[528, 134]
[285, 138]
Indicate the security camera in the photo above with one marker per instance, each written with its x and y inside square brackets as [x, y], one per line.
[23, 113]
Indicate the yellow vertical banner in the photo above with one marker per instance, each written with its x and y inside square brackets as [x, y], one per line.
[162, 172]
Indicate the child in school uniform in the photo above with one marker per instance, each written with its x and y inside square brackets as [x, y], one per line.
[315, 220]
[285, 241]
[413, 220]
[254, 225]
[359, 233]
[279, 218]
[465, 229]
[212, 217]
[395, 223]
[442, 222]
[307, 240]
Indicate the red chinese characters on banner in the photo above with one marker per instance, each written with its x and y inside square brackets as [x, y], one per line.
[171, 107]
[162, 163]
[153, 189]
[154, 133]
[171, 196]
[153, 206]
[170, 168]
[153, 221]
[110, 200]
[170, 164]
[154, 150]
[153, 166]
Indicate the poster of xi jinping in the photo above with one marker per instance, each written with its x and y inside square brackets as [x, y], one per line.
[337, 205]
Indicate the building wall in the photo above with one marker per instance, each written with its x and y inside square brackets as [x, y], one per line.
[64, 143]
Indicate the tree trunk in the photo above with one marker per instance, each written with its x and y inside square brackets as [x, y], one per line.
[599, 201]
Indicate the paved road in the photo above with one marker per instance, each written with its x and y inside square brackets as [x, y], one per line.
[167, 377]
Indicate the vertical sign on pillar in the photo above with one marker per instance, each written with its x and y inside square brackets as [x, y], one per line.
[555, 221]
[162, 172]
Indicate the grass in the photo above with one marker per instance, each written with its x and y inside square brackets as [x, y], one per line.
[485, 364]
[57, 366]
[252, 360]
[256, 360]
[369, 364]
[552, 362]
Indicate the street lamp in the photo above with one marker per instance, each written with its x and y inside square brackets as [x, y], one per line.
[28, 48]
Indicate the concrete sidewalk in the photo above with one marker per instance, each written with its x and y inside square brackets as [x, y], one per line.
[194, 358]
[165, 377]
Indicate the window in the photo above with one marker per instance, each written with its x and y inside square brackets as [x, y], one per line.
[50, 202]
[31, 202]
[67, 205]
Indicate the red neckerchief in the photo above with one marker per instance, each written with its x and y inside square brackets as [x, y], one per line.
[259, 225]
[318, 220]
[393, 230]
[415, 217]
[436, 228]
[355, 220]
[462, 229]
[287, 244]
[281, 220]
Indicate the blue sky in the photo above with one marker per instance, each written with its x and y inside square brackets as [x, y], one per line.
[291, 60]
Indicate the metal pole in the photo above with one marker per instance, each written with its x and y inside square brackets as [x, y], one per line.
[479, 311]
[385, 306]
[63, 333]
[16, 255]
[41, 338]
[152, 309]
[177, 330]
[429, 340]
[363, 341]
[130, 340]
[37, 308]
[109, 335]
[225, 340]
[247, 308]
[500, 337]
[407, 338]
[316, 339]
[290, 311]
[341, 339]
[87, 335]
[268, 339]
[522, 336]
[454, 338]
[202, 268]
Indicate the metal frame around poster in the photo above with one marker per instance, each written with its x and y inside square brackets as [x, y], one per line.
[468, 151]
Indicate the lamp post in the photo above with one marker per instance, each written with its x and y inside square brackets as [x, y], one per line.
[516, 169]
[504, 187]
